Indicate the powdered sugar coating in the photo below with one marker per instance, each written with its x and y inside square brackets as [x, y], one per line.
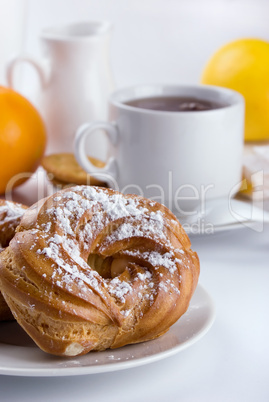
[119, 288]
[10, 216]
[10, 211]
[94, 210]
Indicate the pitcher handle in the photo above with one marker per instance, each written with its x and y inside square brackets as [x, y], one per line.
[39, 66]
[108, 173]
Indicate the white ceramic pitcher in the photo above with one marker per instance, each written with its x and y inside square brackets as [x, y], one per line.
[75, 78]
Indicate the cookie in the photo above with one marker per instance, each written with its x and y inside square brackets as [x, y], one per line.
[64, 169]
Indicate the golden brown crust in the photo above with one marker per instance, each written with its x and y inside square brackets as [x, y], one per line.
[64, 169]
[90, 269]
[10, 216]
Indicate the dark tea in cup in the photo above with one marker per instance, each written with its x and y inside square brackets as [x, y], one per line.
[175, 104]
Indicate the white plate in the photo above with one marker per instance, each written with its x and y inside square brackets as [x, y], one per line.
[19, 356]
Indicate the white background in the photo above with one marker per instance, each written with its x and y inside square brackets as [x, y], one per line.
[166, 41]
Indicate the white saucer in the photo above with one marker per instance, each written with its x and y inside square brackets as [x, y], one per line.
[224, 214]
[19, 356]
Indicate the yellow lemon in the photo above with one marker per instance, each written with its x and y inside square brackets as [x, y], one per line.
[243, 65]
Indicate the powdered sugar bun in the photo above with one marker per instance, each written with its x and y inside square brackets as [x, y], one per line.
[90, 268]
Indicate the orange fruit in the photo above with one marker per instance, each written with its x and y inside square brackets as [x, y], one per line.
[22, 138]
[243, 65]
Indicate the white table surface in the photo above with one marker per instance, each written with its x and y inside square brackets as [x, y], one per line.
[230, 363]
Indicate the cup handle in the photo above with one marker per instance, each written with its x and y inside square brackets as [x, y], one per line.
[40, 67]
[108, 173]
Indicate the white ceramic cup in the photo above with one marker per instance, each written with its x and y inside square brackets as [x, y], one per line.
[179, 158]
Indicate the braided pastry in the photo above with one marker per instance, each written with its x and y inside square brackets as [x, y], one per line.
[10, 216]
[90, 268]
